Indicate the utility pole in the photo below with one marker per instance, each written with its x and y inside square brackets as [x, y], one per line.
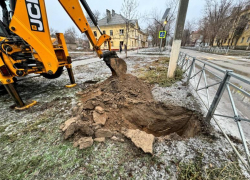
[177, 37]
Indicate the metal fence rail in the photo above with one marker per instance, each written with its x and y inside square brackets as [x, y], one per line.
[200, 73]
[216, 50]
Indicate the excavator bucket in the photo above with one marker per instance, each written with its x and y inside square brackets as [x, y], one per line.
[117, 65]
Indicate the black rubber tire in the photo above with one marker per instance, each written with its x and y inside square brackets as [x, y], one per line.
[2, 90]
[54, 76]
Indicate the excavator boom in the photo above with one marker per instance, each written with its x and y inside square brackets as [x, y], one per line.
[74, 10]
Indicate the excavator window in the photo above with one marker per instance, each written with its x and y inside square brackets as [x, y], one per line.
[3, 31]
[1, 13]
[5, 11]
[2, 34]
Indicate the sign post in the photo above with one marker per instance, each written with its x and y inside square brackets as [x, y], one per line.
[162, 34]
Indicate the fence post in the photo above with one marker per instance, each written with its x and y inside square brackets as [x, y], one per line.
[183, 62]
[191, 70]
[180, 55]
[218, 96]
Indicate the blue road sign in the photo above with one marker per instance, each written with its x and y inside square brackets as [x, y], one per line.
[162, 34]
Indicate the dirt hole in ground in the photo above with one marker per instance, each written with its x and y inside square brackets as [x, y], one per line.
[127, 103]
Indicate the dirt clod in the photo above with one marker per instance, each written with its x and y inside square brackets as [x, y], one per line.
[84, 142]
[99, 109]
[102, 139]
[99, 118]
[141, 139]
[85, 128]
[66, 125]
[72, 128]
[103, 133]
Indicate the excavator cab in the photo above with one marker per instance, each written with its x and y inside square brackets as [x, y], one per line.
[26, 46]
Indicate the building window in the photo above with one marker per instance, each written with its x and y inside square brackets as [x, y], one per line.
[121, 31]
[111, 32]
[105, 44]
[225, 40]
[112, 44]
[248, 39]
[104, 32]
[95, 33]
[242, 40]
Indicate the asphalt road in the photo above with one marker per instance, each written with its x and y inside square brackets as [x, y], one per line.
[240, 65]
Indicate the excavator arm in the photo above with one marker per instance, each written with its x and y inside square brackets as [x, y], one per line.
[74, 10]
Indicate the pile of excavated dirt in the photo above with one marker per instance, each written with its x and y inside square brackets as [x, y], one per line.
[126, 103]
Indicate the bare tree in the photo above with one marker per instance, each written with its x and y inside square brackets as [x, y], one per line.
[130, 13]
[171, 19]
[70, 35]
[189, 27]
[203, 27]
[155, 24]
[216, 11]
[83, 42]
[223, 21]
[53, 32]
[97, 14]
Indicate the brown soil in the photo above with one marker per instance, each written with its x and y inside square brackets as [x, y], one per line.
[127, 102]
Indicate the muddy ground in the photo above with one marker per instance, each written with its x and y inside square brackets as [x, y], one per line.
[33, 147]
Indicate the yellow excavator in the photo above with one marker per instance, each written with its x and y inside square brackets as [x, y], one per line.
[26, 45]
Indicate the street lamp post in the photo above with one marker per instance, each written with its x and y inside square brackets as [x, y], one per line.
[165, 22]
[164, 28]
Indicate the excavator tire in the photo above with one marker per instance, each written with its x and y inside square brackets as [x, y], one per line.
[2, 90]
[53, 76]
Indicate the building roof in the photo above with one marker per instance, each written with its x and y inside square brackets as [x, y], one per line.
[196, 32]
[114, 20]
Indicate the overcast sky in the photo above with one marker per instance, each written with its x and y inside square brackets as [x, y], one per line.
[59, 20]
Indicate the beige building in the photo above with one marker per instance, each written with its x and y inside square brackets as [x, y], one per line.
[114, 25]
[195, 38]
[238, 37]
